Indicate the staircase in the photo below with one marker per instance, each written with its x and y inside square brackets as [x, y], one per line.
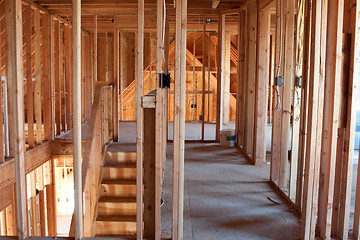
[116, 206]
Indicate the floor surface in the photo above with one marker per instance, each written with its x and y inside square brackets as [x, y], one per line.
[226, 198]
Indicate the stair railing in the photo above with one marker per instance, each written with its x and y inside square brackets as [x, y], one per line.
[100, 134]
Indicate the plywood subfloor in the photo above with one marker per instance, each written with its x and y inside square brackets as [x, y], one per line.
[226, 198]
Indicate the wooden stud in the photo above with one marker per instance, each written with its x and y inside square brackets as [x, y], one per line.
[226, 94]
[40, 175]
[37, 73]
[116, 85]
[77, 117]
[241, 78]
[33, 216]
[68, 80]
[16, 80]
[261, 88]
[220, 76]
[160, 129]
[312, 160]
[179, 120]
[139, 121]
[29, 82]
[57, 77]
[331, 112]
[203, 83]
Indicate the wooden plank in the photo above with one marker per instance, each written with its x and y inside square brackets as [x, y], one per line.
[37, 73]
[312, 159]
[179, 120]
[288, 65]
[33, 216]
[116, 85]
[160, 122]
[29, 82]
[139, 119]
[77, 44]
[68, 79]
[42, 203]
[215, 3]
[261, 87]
[295, 135]
[51, 200]
[251, 75]
[242, 74]
[47, 37]
[203, 83]
[276, 119]
[220, 76]
[57, 77]
[6, 197]
[150, 174]
[226, 89]
[16, 80]
[331, 112]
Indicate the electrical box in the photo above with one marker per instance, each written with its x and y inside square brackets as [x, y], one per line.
[165, 80]
[279, 81]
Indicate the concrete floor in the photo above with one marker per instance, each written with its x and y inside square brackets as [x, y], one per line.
[226, 198]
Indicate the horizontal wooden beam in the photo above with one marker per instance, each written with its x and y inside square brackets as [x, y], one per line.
[64, 147]
[33, 159]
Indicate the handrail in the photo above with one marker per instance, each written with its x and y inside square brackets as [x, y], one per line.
[99, 135]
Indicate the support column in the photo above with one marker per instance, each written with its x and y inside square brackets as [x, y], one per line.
[77, 118]
[226, 90]
[139, 120]
[179, 120]
[261, 87]
[16, 90]
[116, 84]
[160, 128]
[220, 76]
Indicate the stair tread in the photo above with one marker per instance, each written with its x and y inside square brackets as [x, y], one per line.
[118, 199]
[120, 165]
[129, 236]
[119, 181]
[116, 218]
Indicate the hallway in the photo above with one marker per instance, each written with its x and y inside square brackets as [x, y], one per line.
[226, 198]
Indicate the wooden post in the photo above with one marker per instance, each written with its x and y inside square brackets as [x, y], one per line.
[312, 160]
[220, 76]
[151, 229]
[331, 112]
[288, 68]
[139, 120]
[16, 87]
[34, 216]
[355, 75]
[203, 82]
[37, 92]
[116, 84]
[77, 117]
[29, 84]
[40, 175]
[160, 129]
[179, 119]
[241, 78]
[226, 93]
[261, 87]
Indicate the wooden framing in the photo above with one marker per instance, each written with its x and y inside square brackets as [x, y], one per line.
[179, 120]
[77, 117]
[261, 87]
[16, 90]
[312, 160]
[116, 85]
[139, 120]
[331, 112]
[220, 76]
